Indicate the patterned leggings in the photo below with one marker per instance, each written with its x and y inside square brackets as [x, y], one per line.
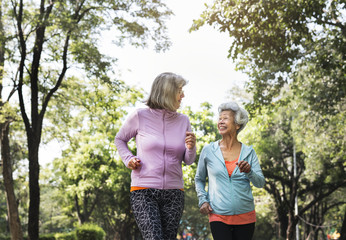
[158, 212]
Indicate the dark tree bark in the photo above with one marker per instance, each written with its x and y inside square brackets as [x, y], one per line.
[34, 128]
[343, 229]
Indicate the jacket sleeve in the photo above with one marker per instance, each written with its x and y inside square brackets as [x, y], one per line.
[190, 154]
[255, 175]
[200, 178]
[126, 132]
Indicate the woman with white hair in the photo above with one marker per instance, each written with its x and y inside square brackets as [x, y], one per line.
[229, 166]
[164, 140]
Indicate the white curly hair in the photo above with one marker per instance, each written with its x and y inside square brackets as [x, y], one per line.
[241, 116]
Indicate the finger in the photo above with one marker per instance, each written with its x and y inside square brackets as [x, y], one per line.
[189, 138]
[242, 164]
[190, 135]
[134, 163]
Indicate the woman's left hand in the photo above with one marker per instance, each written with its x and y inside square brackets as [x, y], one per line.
[190, 140]
[244, 166]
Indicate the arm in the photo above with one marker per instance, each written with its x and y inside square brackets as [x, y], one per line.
[126, 132]
[200, 179]
[256, 175]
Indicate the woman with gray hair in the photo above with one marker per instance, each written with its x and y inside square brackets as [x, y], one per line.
[164, 140]
[229, 166]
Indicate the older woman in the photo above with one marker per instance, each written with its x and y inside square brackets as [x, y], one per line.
[230, 166]
[164, 140]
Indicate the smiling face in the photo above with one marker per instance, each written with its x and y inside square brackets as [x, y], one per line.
[226, 124]
[179, 97]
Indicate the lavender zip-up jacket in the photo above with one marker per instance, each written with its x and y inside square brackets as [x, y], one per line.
[160, 139]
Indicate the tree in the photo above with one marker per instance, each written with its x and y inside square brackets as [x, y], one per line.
[54, 36]
[7, 115]
[273, 40]
[319, 173]
[300, 46]
[86, 116]
[204, 126]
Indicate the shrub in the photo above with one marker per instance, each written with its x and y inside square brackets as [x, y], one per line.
[66, 236]
[47, 237]
[90, 232]
[2, 237]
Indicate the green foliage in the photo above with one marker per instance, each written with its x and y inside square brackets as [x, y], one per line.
[205, 128]
[91, 175]
[47, 236]
[293, 53]
[90, 232]
[66, 236]
[3, 212]
[265, 215]
[320, 164]
[44, 42]
[53, 203]
[275, 40]
[2, 237]
[193, 221]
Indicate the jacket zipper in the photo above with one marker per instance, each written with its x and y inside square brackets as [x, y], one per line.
[164, 152]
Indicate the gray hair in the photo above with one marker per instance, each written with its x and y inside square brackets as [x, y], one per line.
[164, 91]
[240, 114]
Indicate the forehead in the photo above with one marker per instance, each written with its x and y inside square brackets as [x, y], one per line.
[226, 113]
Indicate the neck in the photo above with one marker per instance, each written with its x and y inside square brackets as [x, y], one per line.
[229, 142]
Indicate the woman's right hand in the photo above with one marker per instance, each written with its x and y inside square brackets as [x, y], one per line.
[134, 163]
[205, 208]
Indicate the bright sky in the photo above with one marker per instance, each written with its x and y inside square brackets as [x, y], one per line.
[200, 57]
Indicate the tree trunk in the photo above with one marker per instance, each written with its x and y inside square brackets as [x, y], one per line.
[283, 221]
[343, 229]
[12, 206]
[292, 222]
[34, 206]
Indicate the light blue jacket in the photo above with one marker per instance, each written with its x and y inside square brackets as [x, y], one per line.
[227, 195]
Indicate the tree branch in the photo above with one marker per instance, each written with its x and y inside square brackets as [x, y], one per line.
[331, 188]
[19, 19]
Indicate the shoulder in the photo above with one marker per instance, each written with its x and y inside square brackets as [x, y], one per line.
[143, 112]
[210, 147]
[247, 147]
[247, 150]
[182, 117]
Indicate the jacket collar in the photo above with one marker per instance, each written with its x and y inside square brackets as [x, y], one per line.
[244, 152]
[164, 112]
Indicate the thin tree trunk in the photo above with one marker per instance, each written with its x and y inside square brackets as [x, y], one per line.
[292, 222]
[283, 221]
[12, 206]
[34, 171]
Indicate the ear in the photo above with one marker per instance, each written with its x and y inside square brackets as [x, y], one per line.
[237, 126]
